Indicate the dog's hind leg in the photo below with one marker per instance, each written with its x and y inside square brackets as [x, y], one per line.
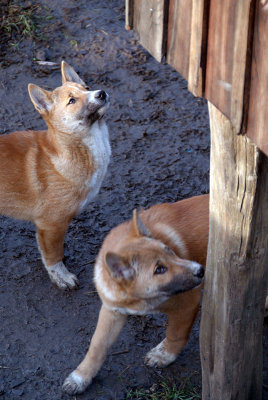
[50, 240]
[108, 328]
[181, 317]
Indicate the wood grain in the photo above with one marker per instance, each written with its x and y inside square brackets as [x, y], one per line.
[236, 273]
[150, 19]
[129, 11]
[227, 57]
[198, 47]
[179, 35]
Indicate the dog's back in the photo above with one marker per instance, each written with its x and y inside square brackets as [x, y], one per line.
[183, 226]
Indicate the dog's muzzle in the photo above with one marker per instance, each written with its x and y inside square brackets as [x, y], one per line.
[102, 96]
[200, 272]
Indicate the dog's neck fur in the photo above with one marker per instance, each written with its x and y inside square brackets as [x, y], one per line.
[93, 148]
[99, 146]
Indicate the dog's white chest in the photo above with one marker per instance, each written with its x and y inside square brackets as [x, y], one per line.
[99, 146]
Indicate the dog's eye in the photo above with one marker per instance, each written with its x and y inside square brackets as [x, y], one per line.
[160, 269]
[71, 101]
[87, 88]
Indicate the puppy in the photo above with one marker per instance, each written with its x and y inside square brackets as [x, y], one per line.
[152, 263]
[48, 177]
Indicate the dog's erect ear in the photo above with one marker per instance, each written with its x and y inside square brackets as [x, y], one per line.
[41, 99]
[119, 267]
[138, 227]
[69, 75]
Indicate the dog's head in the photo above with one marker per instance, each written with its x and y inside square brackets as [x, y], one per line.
[145, 272]
[72, 107]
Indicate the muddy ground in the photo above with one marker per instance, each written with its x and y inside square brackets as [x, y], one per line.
[160, 143]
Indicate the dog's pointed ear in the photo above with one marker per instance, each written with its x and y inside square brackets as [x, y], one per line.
[41, 98]
[69, 75]
[138, 227]
[119, 268]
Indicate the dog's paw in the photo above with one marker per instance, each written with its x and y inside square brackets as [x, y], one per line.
[74, 384]
[60, 275]
[159, 356]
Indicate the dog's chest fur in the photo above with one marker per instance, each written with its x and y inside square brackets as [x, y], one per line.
[99, 147]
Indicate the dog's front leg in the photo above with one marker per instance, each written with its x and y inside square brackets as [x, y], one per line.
[181, 317]
[50, 239]
[108, 328]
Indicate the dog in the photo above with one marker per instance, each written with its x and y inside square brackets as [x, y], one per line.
[152, 263]
[48, 177]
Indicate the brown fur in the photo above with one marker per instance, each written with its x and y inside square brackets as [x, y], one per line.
[149, 264]
[46, 175]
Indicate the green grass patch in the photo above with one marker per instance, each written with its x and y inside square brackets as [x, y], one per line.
[165, 391]
[20, 21]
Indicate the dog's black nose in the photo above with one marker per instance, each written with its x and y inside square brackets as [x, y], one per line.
[101, 95]
[200, 272]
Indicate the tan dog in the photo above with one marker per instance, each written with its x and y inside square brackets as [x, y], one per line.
[48, 177]
[149, 264]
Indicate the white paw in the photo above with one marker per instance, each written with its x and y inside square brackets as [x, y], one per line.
[74, 384]
[159, 357]
[60, 275]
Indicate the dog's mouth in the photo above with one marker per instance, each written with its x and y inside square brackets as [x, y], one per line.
[98, 108]
[180, 286]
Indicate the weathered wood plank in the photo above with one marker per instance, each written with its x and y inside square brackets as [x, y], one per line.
[236, 274]
[198, 47]
[227, 56]
[179, 35]
[258, 106]
[187, 41]
[129, 11]
[150, 20]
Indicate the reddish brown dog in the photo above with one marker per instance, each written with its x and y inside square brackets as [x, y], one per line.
[152, 263]
[48, 177]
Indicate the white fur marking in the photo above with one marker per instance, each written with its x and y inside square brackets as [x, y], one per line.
[98, 144]
[159, 357]
[77, 378]
[60, 275]
[195, 267]
[174, 237]
[74, 383]
[129, 311]
[91, 94]
[101, 284]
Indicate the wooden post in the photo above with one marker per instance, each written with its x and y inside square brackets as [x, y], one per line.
[236, 275]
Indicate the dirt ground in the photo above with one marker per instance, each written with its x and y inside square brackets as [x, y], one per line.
[160, 144]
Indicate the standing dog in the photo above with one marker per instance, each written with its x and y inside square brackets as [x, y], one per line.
[151, 263]
[48, 177]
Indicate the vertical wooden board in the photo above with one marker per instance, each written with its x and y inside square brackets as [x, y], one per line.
[179, 35]
[149, 19]
[258, 104]
[198, 46]
[129, 14]
[227, 57]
